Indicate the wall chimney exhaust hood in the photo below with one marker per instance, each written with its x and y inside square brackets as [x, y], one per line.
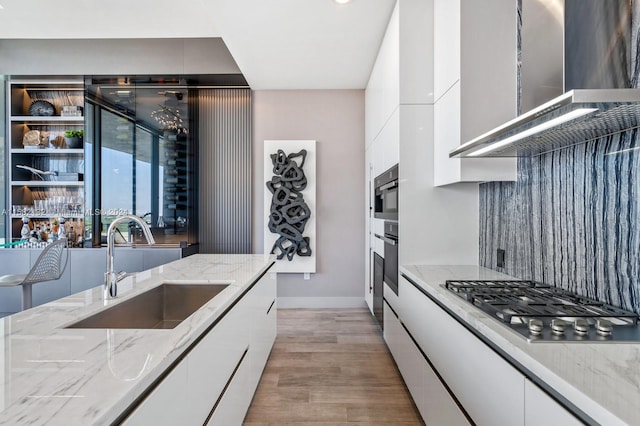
[577, 116]
[582, 46]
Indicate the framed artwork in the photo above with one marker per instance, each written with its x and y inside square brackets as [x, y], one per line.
[290, 204]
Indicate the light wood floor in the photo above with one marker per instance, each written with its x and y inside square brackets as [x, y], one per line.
[330, 367]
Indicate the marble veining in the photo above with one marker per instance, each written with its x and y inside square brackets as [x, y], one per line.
[58, 376]
[571, 220]
[572, 217]
[603, 380]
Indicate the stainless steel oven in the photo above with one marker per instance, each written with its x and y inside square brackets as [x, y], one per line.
[386, 195]
[390, 239]
[378, 283]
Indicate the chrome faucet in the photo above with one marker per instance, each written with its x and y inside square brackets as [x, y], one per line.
[111, 278]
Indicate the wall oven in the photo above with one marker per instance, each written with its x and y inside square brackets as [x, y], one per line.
[386, 195]
[378, 283]
[390, 270]
[390, 239]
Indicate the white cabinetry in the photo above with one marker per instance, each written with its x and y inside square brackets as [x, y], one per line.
[382, 99]
[387, 145]
[235, 401]
[446, 46]
[466, 365]
[263, 327]
[475, 86]
[167, 404]
[378, 229]
[391, 333]
[542, 410]
[216, 380]
[259, 322]
[445, 367]
[383, 89]
[212, 362]
[407, 356]
[435, 404]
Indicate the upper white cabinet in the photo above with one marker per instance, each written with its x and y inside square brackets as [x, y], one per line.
[475, 84]
[386, 149]
[382, 96]
[402, 75]
[446, 46]
[416, 52]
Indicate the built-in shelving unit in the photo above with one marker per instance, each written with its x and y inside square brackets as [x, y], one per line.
[53, 151]
[49, 184]
[50, 120]
[32, 183]
[173, 161]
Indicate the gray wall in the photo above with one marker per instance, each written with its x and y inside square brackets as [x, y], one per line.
[224, 131]
[335, 119]
[116, 57]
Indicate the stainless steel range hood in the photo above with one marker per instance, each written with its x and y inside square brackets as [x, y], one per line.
[593, 48]
[576, 117]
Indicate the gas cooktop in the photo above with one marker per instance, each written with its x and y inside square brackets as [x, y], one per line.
[542, 313]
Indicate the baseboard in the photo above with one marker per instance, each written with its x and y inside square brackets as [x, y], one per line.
[321, 302]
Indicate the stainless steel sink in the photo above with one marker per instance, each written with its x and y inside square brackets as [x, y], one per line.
[164, 306]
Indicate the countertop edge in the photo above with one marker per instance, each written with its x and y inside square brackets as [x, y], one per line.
[513, 346]
[62, 376]
[157, 374]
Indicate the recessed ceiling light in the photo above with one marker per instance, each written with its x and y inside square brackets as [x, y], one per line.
[342, 1]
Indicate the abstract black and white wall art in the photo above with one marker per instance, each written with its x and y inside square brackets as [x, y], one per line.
[289, 205]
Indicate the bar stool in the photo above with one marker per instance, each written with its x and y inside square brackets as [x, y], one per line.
[48, 267]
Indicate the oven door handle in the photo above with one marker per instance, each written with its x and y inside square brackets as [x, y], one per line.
[387, 240]
[389, 185]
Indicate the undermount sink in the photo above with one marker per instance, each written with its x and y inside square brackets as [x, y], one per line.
[162, 307]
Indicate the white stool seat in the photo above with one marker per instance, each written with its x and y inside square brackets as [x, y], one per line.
[48, 267]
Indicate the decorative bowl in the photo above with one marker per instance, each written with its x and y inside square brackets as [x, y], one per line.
[41, 108]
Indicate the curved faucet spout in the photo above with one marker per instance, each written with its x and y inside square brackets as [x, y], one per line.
[111, 277]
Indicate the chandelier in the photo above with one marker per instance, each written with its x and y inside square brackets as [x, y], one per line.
[168, 118]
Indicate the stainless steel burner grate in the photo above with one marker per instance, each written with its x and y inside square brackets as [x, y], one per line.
[517, 303]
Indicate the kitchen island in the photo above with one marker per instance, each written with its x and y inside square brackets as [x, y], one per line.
[79, 376]
[525, 383]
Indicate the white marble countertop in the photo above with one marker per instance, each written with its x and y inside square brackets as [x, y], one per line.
[57, 376]
[601, 379]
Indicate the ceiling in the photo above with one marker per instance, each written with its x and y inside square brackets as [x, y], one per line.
[278, 44]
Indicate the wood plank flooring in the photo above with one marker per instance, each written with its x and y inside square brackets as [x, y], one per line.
[330, 367]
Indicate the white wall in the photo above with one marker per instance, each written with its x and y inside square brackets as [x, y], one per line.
[335, 119]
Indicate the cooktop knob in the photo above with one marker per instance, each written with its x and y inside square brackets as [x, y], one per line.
[581, 326]
[604, 327]
[535, 326]
[558, 326]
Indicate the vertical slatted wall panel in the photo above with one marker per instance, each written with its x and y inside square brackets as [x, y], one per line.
[225, 170]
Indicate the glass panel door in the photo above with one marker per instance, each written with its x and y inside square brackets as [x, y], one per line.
[3, 175]
[143, 159]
